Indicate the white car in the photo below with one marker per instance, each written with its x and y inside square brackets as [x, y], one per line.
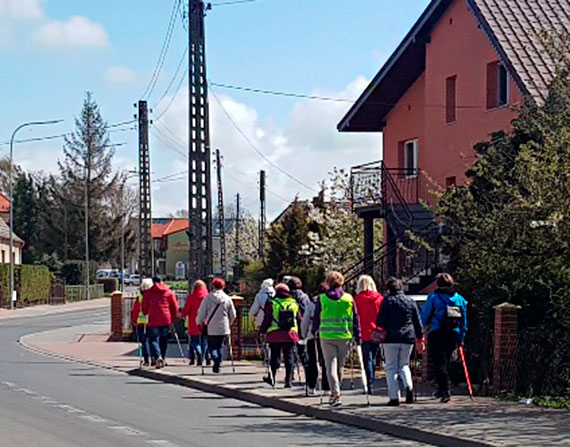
[133, 280]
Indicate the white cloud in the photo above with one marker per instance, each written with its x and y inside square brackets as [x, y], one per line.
[120, 75]
[75, 32]
[20, 9]
[308, 148]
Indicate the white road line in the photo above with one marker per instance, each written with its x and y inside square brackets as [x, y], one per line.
[26, 391]
[70, 409]
[162, 443]
[92, 418]
[127, 431]
[10, 384]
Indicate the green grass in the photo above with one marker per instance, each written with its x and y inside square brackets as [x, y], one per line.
[177, 285]
[556, 403]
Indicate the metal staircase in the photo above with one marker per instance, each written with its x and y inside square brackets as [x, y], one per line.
[411, 251]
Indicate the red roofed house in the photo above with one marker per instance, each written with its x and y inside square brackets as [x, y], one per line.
[458, 76]
[171, 246]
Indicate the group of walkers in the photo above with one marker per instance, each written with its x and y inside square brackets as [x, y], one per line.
[322, 331]
[318, 332]
[208, 317]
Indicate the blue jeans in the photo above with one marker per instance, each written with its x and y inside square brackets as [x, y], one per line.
[142, 338]
[197, 347]
[158, 339]
[369, 352]
[215, 343]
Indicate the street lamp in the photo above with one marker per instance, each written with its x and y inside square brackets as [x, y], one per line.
[131, 174]
[11, 193]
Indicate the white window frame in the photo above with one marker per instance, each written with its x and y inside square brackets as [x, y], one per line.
[415, 161]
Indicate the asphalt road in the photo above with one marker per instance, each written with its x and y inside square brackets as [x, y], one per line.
[46, 402]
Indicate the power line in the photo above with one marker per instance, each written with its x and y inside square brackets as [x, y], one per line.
[182, 79]
[182, 59]
[161, 57]
[172, 136]
[330, 98]
[254, 147]
[234, 2]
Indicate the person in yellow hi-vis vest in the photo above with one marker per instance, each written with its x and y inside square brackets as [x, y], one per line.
[336, 323]
[281, 326]
[140, 321]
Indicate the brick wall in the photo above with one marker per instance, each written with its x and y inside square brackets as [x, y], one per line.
[117, 316]
[505, 347]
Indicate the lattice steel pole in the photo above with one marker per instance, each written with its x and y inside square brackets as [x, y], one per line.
[262, 214]
[146, 264]
[199, 191]
[221, 218]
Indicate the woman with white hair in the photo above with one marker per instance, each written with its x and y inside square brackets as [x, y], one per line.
[266, 292]
[368, 301]
[140, 321]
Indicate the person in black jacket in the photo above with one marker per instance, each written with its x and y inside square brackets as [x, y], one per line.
[400, 319]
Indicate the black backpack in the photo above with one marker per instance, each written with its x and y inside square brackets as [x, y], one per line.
[286, 318]
[451, 317]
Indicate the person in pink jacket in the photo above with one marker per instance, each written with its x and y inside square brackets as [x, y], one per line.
[368, 301]
[198, 341]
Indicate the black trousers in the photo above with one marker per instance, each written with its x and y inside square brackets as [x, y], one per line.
[441, 344]
[288, 356]
[311, 368]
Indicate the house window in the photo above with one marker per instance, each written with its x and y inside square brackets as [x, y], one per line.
[450, 99]
[450, 182]
[411, 158]
[497, 85]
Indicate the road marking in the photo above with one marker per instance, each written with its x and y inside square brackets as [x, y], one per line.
[92, 418]
[10, 384]
[162, 443]
[127, 431]
[70, 409]
[26, 391]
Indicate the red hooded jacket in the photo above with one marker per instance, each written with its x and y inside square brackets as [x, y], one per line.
[191, 309]
[368, 305]
[160, 304]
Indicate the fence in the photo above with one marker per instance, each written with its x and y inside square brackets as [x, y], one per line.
[78, 293]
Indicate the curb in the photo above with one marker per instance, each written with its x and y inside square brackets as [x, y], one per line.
[377, 426]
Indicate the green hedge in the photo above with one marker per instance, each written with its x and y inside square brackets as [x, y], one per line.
[32, 282]
[110, 285]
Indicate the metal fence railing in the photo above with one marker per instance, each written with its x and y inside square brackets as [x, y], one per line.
[79, 293]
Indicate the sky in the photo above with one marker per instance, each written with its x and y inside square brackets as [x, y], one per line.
[53, 51]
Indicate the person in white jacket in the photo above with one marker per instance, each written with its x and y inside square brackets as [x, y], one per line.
[217, 312]
[257, 309]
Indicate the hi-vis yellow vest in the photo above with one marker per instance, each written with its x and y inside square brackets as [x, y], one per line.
[336, 318]
[283, 304]
[142, 318]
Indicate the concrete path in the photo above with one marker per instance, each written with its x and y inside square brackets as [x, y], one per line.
[48, 309]
[485, 422]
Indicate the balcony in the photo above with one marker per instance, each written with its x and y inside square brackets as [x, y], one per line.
[376, 187]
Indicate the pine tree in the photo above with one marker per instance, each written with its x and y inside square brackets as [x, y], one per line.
[27, 223]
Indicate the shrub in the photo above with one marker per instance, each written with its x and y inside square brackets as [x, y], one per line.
[110, 285]
[73, 272]
[32, 282]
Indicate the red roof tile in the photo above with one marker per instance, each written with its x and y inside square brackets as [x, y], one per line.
[159, 230]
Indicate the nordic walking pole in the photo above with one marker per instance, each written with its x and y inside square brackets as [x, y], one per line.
[363, 372]
[203, 351]
[178, 342]
[231, 353]
[462, 355]
[140, 348]
[351, 365]
[415, 382]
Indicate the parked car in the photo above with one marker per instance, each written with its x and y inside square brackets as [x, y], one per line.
[133, 280]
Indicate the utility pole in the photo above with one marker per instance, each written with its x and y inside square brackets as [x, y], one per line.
[237, 228]
[86, 190]
[199, 190]
[146, 250]
[262, 222]
[221, 219]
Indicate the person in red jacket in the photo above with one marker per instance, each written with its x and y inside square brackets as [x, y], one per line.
[198, 341]
[368, 301]
[140, 321]
[161, 306]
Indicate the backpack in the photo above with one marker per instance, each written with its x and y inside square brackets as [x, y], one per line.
[451, 317]
[286, 318]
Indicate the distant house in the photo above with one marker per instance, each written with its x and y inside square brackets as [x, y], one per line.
[171, 246]
[458, 76]
[4, 207]
[5, 245]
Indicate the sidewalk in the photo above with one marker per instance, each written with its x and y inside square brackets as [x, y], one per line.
[49, 309]
[485, 422]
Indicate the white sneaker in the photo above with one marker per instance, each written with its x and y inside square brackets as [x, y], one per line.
[311, 392]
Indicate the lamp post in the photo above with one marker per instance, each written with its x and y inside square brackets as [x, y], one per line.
[132, 173]
[11, 194]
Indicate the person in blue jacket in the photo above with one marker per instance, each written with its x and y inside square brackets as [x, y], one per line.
[445, 312]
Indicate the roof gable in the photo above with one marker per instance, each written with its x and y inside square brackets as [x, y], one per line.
[512, 27]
